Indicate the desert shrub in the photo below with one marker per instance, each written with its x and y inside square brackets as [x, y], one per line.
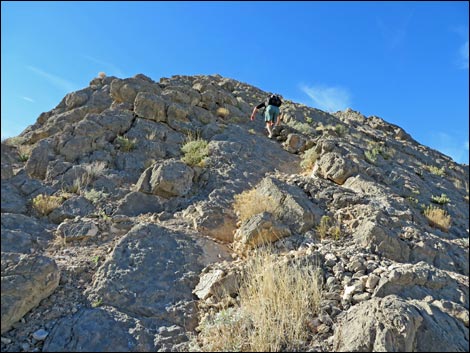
[125, 144]
[45, 204]
[341, 130]
[222, 112]
[375, 149]
[437, 217]
[250, 203]
[328, 228]
[436, 171]
[195, 151]
[308, 159]
[441, 200]
[276, 300]
[94, 195]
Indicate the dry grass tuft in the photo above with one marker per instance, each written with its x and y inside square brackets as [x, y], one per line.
[222, 112]
[45, 204]
[277, 298]
[438, 218]
[250, 203]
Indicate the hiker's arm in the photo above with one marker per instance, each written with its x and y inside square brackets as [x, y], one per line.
[252, 117]
[255, 110]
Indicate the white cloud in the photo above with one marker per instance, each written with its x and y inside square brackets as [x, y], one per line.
[463, 54]
[330, 99]
[28, 99]
[55, 80]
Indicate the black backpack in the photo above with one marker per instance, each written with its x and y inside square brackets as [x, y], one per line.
[275, 100]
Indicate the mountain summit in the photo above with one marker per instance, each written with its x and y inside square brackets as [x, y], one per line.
[132, 213]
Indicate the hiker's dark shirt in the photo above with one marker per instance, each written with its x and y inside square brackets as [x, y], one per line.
[261, 105]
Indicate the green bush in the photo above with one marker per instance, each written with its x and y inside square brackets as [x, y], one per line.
[195, 151]
[441, 200]
[125, 144]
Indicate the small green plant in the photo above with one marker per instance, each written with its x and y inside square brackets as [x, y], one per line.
[195, 152]
[371, 156]
[309, 120]
[375, 149]
[97, 303]
[102, 215]
[328, 228]
[252, 131]
[125, 144]
[436, 171]
[412, 200]
[94, 195]
[45, 204]
[341, 130]
[23, 157]
[308, 159]
[96, 259]
[441, 200]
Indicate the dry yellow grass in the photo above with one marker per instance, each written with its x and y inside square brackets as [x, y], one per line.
[45, 204]
[251, 202]
[276, 299]
[438, 218]
[222, 112]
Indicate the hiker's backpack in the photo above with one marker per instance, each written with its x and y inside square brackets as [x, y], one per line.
[275, 100]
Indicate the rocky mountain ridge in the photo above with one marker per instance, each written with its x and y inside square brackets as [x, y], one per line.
[140, 244]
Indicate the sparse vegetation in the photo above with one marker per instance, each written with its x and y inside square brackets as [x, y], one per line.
[341, 130]
[412, 200]
[252, 131]
[94, 195]
[374, 150]
[437, 217]
[222, 112]
[125, 144]
[45, 204]
[441, 200]
[97, 303]
[250, 203]
[95, 170]
[308, 159]
[75, 188]
[24, 151]
[195, 151]
[436, 171]
[303, 128]
[328, 228]
[277, 299]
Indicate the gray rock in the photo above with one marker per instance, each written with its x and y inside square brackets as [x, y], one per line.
[26, 280]
[261, 229]
[392, 324]
[136, 203]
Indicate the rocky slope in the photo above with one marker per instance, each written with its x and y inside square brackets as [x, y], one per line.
[139, 242]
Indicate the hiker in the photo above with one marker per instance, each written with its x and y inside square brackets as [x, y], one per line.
[271, 113]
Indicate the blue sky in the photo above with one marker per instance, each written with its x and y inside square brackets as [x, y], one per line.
[406, 62]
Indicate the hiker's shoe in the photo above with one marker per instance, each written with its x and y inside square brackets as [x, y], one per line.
[270, 136]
